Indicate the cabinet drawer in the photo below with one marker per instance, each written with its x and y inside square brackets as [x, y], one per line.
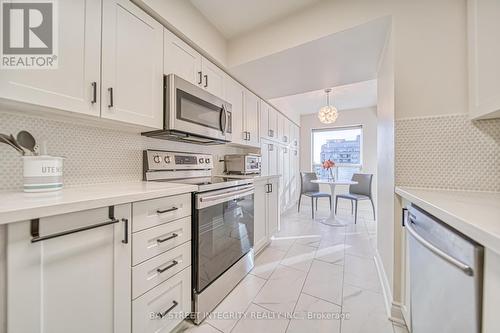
[173, 294]
[149, 213]
[154, 241]
[160, 268]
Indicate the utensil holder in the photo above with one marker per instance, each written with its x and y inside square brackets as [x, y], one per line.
[42, 173]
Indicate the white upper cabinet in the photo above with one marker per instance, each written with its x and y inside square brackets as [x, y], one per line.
[295, 136]
[181, 59]
[74, 85]
[273, 123]
[264, 119]
[132, 65]
[251, 116]
[184, 61]
[213, 78]
[234, 94]
[484, 54]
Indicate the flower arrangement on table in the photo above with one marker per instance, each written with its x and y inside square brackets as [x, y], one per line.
[329, 165]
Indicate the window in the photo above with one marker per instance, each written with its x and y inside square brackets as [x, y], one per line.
[341, 145]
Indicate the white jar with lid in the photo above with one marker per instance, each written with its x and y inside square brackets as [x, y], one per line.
[43, 173]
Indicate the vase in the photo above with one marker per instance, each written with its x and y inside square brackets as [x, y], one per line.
[331, 177]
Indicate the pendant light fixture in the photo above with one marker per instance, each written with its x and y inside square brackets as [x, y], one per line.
[328, 113]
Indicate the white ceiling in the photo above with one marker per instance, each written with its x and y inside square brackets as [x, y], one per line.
[235, 17]
[342, 58]
[351, 96]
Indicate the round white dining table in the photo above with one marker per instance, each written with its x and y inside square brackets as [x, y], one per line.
[332, 220]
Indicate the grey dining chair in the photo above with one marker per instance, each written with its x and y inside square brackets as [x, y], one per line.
[311, 190]
[358, 192]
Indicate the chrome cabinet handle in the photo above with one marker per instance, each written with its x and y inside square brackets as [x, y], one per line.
[161, 315]
[271, 147]
[161, 270]
[168, 238]
[110, 105]
[206, 80]
[443, 255]
[200, 77]
[35, 227]
[94, 92]
[271, 133]
[166, 210]
[249, 136]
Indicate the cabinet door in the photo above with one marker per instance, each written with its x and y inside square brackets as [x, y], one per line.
[132, 65]
[281, 171]
[280, 119]
[264, 120]
[70, 87]
[234, 93]
[484, 51]
[273, 212]
[264, 152]
[213, 78]
[181, 59]
[77, 283]
[286, 177]
[260, 231]
[273, 124]
[294, 175]
[287, 128]
[273, 158]
[251, 111]
[295, 136]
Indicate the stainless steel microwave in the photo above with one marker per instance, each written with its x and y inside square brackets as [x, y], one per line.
[192, 114]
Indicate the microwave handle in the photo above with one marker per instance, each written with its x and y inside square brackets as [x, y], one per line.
[222, 119]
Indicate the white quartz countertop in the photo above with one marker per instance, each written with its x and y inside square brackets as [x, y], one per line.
[254, 177]
[20, 206]
[475, 214]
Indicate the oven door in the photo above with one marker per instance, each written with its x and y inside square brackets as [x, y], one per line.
[190, 109]
[222, 232]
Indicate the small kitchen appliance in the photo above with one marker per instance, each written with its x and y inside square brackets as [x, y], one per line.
[243, 164]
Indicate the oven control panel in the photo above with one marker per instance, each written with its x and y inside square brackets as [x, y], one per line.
[168, 160]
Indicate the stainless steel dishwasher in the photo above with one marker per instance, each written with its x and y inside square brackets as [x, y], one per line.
[446, 271]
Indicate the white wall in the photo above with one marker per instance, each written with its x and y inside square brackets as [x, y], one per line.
[367, 117]
[429, 46]
[386, 178]
[186, 20]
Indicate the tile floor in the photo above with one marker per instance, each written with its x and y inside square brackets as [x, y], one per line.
[311, 278]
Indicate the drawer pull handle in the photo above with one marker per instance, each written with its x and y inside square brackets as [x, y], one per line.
[174, 304]
[166, 210]
[168, 238]
[161, 270]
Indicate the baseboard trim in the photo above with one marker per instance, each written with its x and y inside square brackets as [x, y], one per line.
[392, 308]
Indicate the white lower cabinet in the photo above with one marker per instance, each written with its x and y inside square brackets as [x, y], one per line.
[149, 274]
[266, 218]
[164, 307]
[154, 241]
[88, 271]
[77, 282]
[161, 264]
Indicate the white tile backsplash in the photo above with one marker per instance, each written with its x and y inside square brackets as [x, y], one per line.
[93, 154]
[450, 152]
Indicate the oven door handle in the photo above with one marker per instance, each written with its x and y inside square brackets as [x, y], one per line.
[212, 200]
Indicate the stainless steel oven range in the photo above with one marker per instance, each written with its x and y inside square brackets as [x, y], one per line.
[222, 228]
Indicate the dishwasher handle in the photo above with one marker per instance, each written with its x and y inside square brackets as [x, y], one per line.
[443, 255]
